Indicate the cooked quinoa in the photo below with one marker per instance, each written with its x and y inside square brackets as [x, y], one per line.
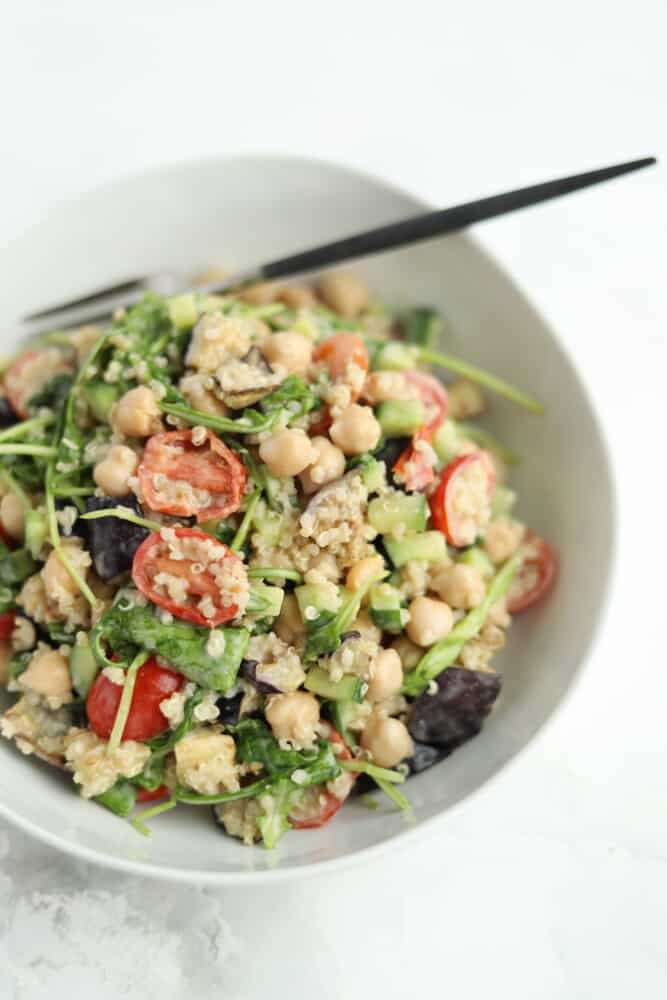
[255, 554]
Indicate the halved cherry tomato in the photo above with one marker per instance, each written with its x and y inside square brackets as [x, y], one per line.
[340, 350]
[319, 804]
[173, 467]
[145, 720]
[459, 505]
[321, 422]
[536, 576]
[29, 373]
[7, 619]
[143, 795]
[412, 465]
[153, 557]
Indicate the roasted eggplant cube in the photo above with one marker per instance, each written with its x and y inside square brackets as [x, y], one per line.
[230, 709]
[424, 756]
[112, 541]
[456, 711]
[8, 415]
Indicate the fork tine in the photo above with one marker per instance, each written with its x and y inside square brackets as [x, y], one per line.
[91, 309]
[91, 299]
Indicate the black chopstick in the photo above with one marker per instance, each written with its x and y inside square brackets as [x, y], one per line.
[431, 224]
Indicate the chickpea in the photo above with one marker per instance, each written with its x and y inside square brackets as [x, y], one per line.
[429, 621]
[12, 516]
[5, 657]
[113, 472]
[344, 292]
[409, 653]
[387, 740]
[293, 717]
[460, 585]
[387, 676]
[365, 625]
[262, 294]
[465, 399]
[503, 537]
[364, 572]
[136, 414]
[287, 452]
[298, 297]
[328, 465]
[210, 275]
[83, 340]
[289, 351]
[380, 386]
[356, 430]
[56, 578]
[48, 674]
[289, 626]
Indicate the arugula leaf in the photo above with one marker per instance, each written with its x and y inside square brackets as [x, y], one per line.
[180, 643]
[161, 745]
[53, 394]
[255, 744]
[120, 798]
[277, 804]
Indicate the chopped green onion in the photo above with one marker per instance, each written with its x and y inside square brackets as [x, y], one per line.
[137, 823]
[274, 573]
[247, 792]
[244, 527]
[368, 802]
[26, 427]
[393, 793]
[125, 701]
[54, 538]
[492, 382]
[38, 450]
[375, 772]
[125, 514]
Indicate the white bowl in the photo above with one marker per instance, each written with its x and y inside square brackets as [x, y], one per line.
[247, 209]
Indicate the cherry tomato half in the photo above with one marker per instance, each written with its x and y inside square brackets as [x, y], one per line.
[153, 557]
[145, 720]
[318, 804]
[29, 372]
[340, 350]
[143, 795]
[412, 466]
[7, 619]
[173, 467]
[460, 503]
[536, 577]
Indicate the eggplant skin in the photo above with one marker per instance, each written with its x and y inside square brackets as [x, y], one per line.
[8, 416]
[456, 712]
[425, 755]
[230, 709]
[112, 542]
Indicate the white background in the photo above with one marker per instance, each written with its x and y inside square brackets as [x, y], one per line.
[551, 883]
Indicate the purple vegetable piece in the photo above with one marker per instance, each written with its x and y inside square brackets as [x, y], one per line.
[424, 756]
[112, 541]
[252, 671]
[455, 713]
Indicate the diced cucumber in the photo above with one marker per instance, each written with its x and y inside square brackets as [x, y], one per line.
[348, 688]
[342, 713]
[374, 475]
[317, 596]
[100, 397]
[446, 441]
[120, 798]
[474, 556]
[267, 523]
[503, 500]
[16, 566]
[428, 546]
[183, 311]
[394, 356]
[83, 668]
[396, 508]
[386, 609]
[265, 600]
[400, 417]
[422, 326]
[35, 531]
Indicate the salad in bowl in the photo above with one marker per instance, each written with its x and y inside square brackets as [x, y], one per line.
[256, 555]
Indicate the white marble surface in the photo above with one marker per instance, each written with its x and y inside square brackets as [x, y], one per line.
[552, 881]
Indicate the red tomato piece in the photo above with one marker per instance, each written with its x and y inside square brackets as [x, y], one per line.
[143, 795]
[319, 804]
[153, 557]
[145, 720]
[459, 505]
[29, 372]
[536, 576]
[340, 350]
[7, 619]
[412, 466]
[173, 467]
